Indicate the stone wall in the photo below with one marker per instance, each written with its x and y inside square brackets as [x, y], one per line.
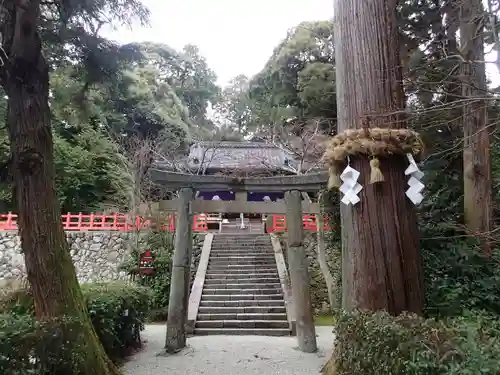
[319, 291]
[96, 255]
[196, 255]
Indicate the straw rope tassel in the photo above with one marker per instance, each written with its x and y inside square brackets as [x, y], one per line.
[334, 179]
[376, 174]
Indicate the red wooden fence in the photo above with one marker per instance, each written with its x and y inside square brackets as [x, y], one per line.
[127, 223]
[308, 221]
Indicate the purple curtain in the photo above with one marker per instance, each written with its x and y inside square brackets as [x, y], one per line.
[251, 197]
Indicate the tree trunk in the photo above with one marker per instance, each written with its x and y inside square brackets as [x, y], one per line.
[381, 253]
[478, 204]
[49, 265]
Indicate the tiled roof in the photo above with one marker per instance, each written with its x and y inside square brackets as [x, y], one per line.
[227, 155]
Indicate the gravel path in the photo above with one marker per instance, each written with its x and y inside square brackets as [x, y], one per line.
[230, 355]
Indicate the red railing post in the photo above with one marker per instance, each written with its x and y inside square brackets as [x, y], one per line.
[67, 221]
[273, 226]
[79, 222]
[91, 221]
[114, 224]
[9, 221]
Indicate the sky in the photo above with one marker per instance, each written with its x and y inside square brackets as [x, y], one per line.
[235, 36]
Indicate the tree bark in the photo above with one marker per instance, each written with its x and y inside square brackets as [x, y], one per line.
[381, 258]
[49, 266]
[478, 199]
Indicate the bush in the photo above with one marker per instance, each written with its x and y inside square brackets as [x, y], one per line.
[458, 277]
[117, 311]
[161, 244]
[377, 343]
[28, 347]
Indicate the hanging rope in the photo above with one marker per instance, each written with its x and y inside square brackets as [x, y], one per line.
[372, 142]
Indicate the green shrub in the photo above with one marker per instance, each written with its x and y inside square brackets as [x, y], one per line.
[458, 277]
[161, 244]
[377, 343]
[28, 347]
[17, 302]
[117, 311]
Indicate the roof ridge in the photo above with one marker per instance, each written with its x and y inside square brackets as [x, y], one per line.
[234, 144]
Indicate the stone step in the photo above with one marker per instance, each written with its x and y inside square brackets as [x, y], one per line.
[240, 297]
[231, 271]
[241, 255]
[244, 254]
[224, 254]
[243, 262]
[229, 250]
[242, 324]
[243, 258]
[246, 236]
[241, 244]
[230, 285]
[242, 236]
[218, 269]
[242, 316]
[249, 262]
[237, 273]
[240, 276]
[241, 291]
[242, 303]
[242, 310]
[242, 331]
[264, 282]
[241, 267]
[240, 273]
[230, 253]
[244, 244]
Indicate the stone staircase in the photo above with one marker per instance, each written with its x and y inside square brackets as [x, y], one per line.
[242, 294]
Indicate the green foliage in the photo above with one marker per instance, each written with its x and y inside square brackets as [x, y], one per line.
[377, 343]
[330, 202]
[89, 172]
[117, 312]
[298, 79]
[459, 277]
[235, 105]
[161, 94]
[28, 347]
[161, 244]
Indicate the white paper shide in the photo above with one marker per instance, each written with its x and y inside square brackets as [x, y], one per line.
[414, 192]
[350, 186]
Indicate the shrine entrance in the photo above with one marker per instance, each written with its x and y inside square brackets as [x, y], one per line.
[186, 206]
